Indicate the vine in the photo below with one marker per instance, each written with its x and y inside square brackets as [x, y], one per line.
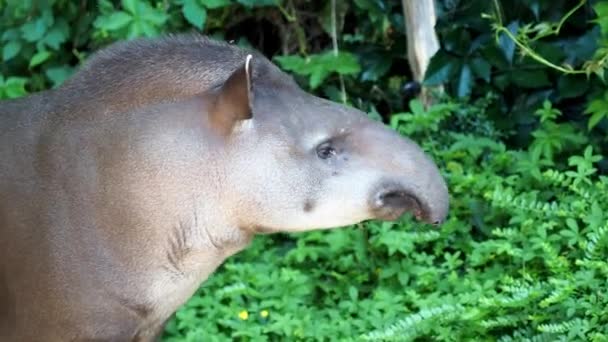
[523, 40]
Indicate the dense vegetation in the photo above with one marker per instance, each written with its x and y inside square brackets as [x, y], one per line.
[519, 135]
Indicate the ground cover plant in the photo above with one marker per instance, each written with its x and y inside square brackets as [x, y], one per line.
[520, 135]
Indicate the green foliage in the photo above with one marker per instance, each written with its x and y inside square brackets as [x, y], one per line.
[520, 142]
[598, 109]
[552, 137]
[318, 67]
[137, 19]
[12, 87]
[522, 50]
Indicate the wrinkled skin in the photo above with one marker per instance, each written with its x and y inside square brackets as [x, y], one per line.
[125, 188]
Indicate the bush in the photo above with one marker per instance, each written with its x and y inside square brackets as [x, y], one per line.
[526, 51]
[518, 136]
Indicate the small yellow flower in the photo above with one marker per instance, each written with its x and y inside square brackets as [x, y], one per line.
[264, 313]
[244, 315]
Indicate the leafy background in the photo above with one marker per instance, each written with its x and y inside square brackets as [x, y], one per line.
[519, 133]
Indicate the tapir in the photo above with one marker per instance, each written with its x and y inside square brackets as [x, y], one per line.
[124, 188]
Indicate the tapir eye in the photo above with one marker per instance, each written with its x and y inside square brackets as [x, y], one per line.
[325, 150]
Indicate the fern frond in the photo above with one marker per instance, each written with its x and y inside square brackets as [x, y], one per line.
[519, 297]
[409, 325]
[560, 328]
[557, 296]
[523, 334]
[502, 321]
[506, 233]
[594, 240]
[423, 236]
[557, 263]
[505, 199]
[230, 289]
[599, 265]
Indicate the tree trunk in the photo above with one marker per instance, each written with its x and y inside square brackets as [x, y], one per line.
[422, 42]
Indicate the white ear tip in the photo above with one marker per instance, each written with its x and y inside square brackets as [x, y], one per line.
[248, 62]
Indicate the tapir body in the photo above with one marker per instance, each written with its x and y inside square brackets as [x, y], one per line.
[124, 188]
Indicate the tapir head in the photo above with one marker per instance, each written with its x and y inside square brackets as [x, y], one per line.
[297, 162]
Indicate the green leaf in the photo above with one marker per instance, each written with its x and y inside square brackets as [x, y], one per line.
[10, 34]
[291, 63]
[258, 3]
[34, 30]
[212, 4]
[105, 6]
[153, 16]
[534, 8]
[601, 9]
[147, 29]
[441, 68]
[494, 55]
[317, 77]
[39, 58]
[319, 67]
[417, 107]
[481, 68]
[596, 118]
[344, 63]
[501, 81]
[598, 109]
[530, 78]
[58, 75]
[10, 50]
[57, 35]
[325, 17]
[130, 5]
[457, 42]
[374, 66]
[507, 45]
[465, 81]
[195, 13]
[14, 87]
[115, 21]
[134, 30]
[570, 86]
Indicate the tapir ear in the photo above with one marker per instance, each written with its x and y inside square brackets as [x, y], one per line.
[234, 99]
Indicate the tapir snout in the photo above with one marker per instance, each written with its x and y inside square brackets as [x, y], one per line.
[411, 181]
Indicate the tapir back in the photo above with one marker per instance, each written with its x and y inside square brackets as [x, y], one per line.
[21, 121]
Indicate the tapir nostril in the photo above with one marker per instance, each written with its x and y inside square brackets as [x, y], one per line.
[392, 200]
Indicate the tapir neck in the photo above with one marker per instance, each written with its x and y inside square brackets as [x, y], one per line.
[175, 177]
[180, 187]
